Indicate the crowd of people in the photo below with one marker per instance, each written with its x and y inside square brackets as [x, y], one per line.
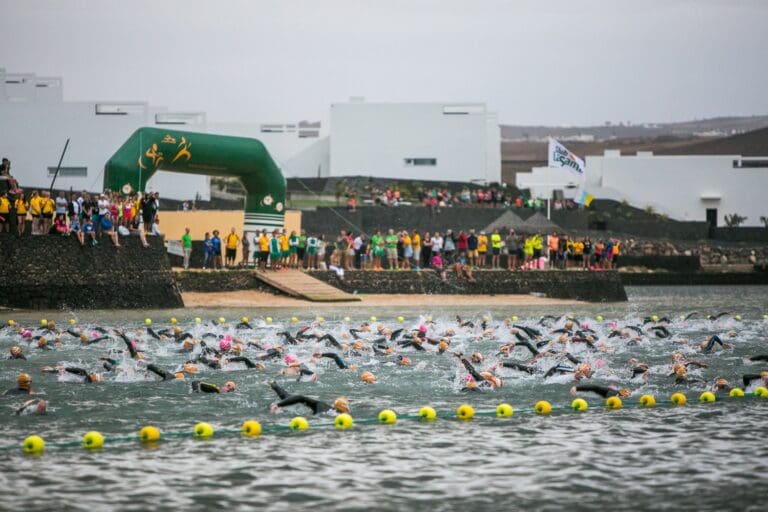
[463, 251]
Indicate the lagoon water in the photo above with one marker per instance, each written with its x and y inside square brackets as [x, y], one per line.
[698, 457]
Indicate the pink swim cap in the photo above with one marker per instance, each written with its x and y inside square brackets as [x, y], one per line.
[467, 379]
[225, 344]
[422, 328]
[599, 363]
[227, 337]
[289, 359]
[26, 333]
[584, 325]
[95, 334]
[613, 324]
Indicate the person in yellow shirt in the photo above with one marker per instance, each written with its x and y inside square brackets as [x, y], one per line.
[482, 249]
[22, 206]
[47, 205]
[232, 242]
[416, 244]
[285, 248]
[578, 253]
[36, 210]
[495, 248]
[263, 250]
[5, 213]
[407, 250]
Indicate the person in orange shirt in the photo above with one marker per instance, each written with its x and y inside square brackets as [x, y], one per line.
[552, 245]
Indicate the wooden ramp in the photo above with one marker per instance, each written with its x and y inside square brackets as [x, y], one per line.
[298, 284]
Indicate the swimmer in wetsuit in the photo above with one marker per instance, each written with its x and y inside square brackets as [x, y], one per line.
[707, 346]
[87, 376]
[165, 375]
[16, 353]
[207, 387]
[485, 378]
[597, 389]
[336, 358]
[36, 406]
[340, 405]
[749, 378]
[23, 386]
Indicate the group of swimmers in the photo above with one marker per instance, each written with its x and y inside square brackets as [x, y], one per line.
[487, 354]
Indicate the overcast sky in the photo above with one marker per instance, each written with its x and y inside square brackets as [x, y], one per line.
[535, 62]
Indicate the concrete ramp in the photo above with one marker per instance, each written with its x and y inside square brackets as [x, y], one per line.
[301, 285]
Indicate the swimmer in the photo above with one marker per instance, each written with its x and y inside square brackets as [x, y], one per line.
[721, 387]
[87, 376]
[340, 363]
[340, 405]
[708, 345]
[761, 358]
[23, 386]
[517, 366]
[602, 391]
[368, 377]
[36, 406]
[164, 375]
[248, 363]
[749, 378]
[16, 353]
[485, 378]
[296, 369]
[207, 387]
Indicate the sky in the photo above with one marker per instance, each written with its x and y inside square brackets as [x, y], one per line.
[557, 62]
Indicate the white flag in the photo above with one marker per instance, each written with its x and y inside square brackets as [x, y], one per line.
[559, 156]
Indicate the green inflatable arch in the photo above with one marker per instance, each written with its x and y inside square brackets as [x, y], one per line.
[152, 149]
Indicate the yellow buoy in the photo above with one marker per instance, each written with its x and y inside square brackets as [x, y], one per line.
[244, 319]
[707, 396]
[198, 320]
[298, 423]
[173, 320]
[599, 318]
[401, 319]
[147, 321]
[149, 434]
[678, 399]
[542, 407]
[504, 411]
[202, 430]
[579, 405]
[427, 414]
[761, 391]
[251, 428]
[465, 412]
[33, 445]
[387, 417]
[222, 319]
[655, 318]
[343, 421]
[93, 440]
[294, 320]
[613, 402]
[736, 393]
[72, 321]
[647, 401]
[373, 318]
[268, 319]
[43, 322]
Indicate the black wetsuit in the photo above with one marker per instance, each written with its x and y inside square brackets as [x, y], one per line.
[559, 369]
[711, 343]
[759, 358]
[750, 377]
[17, 391]
[242, 359]
[518, 366]
[81, 372]
[603, 391]
[337, 359]
[286, 400]
[333, 341]
[163, 374]
[204, 387]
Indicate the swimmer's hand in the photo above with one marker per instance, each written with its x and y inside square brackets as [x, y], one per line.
[572, 391]
[274, 409]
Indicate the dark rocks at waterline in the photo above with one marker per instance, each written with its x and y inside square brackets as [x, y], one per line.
[55, 272]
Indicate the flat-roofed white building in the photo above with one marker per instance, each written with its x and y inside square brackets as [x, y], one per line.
[429, 141]
[684, 187]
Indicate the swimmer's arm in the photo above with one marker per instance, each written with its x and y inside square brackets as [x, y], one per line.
[337, 358]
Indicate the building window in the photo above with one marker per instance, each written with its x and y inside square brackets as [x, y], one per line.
[69, 172]
[421, 161]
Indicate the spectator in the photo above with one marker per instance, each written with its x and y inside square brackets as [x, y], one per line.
[186, 246]
[207, 250]
[293, 249]
[74, 211]
[482, 249]
[263, 245]
[107, 226]
[391, 244]
[22, 207]
[156, 228]
[89, 231]
[495, 249]
[5, 213]
[312, 243]
[232, 242]
[416, 244]
[216, 250]
[246, 250]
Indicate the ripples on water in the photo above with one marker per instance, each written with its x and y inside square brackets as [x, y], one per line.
[698, 457]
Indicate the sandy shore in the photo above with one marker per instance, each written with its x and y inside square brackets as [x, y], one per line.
[250, 298]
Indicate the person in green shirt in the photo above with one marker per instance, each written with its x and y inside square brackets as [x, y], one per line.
[391, 241]
[186, 245]
[293, 244]
[302, 247]
[377, 250]
[275, 254]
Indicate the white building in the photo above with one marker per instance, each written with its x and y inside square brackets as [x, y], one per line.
[35, 123]
[419, 141]
[687, 188]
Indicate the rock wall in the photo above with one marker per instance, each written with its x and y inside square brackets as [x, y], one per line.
[55, 272]
[221, 281]
[586, 286]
